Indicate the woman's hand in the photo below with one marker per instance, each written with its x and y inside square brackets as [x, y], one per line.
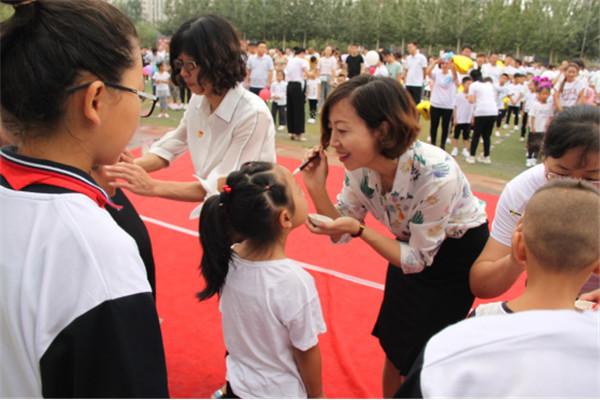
[338, 227]
[132, 177]
[593, 296]
[126, 157]
[315, 173]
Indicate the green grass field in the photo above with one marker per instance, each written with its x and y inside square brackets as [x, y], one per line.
[508, 153]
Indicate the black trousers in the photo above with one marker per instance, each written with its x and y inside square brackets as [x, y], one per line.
[276, 109]
[501, 114]
[483, 128]
[255, 90]
[415, 92]
[534, 144]
[524, 124]
[295, 108]
[312, 107]
[513, 110]
[446, 116]
[465, 129]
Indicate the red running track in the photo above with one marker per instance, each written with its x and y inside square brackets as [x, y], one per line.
[350, 287]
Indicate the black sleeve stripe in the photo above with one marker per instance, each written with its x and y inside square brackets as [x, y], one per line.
[411, 388]
[113, 350]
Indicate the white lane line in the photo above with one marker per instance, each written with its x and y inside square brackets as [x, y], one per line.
[340, 275]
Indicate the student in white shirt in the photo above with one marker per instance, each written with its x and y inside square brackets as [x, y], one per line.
[502, 91]
[515, 96]
[312, 95]
[529, 96]
[270, 307]
[77, 313]
[419, 193]
[491, 69]
[161, 79]
[414, 71]
[558, 250]
[569, 90]
[483, 95]
[327, 67]
[540, 115]
[223, 126]
[571, 149]
[463, 116]
[295, 73]
[537, 345]
[279, 99]
[443, 92]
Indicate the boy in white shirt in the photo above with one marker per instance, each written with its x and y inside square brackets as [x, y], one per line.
[514, 104]
[279, 99]
[546, 348]
[540, 115]
[312, 95]
[463, 115]
[559, 250]
[529, 96]
[502, 90]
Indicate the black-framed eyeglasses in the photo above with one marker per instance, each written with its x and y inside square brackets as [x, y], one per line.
[189, 66]
[148, 100]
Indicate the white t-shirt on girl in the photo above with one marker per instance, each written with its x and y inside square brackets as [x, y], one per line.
[381, 71]
[529, 98]
[312, 89]
[463, 109]
[162, 89]
[543, 113]
[279, 93]
[443, 90]
[501, 93]
[268, 308]
[570, 93]
[485, 99]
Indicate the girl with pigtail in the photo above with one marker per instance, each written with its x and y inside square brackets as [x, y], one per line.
[270, 307]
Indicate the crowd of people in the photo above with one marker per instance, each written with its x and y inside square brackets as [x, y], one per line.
[77, 298]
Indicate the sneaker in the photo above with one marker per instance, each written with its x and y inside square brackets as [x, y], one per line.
[300, 138]
[281, 127]
[515, 128]
[466, 153]
[507, 134]
[521, 139]
[498, 133]
[448, 141]
[311, 121]
[166, 115]
[470, 159]
[454, 152]
[505, 126]
[528, 162]
[484, 160]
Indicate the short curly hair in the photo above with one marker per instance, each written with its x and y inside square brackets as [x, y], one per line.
[377, 100]
[214, 44]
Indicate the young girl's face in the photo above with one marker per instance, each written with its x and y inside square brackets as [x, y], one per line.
[279, 76]
[571, 73]
[355, 144]
[543, 95]
[295, 191]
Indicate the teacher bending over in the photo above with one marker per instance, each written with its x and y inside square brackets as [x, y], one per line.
[419, 193]
[224, 125]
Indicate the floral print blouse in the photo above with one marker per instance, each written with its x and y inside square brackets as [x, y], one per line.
[430, 200]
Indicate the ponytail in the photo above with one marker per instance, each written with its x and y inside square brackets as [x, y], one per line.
[247, 209]
[216, 242]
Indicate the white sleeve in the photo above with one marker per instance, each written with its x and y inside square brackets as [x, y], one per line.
[299, 309]
[505, 222]
[173, 143]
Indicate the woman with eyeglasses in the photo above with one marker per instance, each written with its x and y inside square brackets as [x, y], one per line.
[571, 150]
[77, 311]
[223, 126]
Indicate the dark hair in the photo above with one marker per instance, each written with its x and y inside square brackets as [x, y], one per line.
[215, 46]
[261, 42]
[466, 79]
[413, 42]
[377, 100]
[45, 46]
[505, 74]
[247, 209]
[466, 46]
[574, 127]
[475, 74]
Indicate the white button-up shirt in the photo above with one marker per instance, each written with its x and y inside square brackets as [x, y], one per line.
[241, 129]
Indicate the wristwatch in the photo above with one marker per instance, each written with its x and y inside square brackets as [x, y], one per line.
[361, 228]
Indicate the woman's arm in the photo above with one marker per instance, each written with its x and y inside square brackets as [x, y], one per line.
[494, 271]
[309, 366]
[151, 162]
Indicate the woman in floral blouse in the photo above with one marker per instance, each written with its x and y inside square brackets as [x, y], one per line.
[415, 189]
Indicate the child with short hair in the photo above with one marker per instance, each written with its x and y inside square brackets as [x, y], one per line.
[463, 115]
[551, 350]
[312, 94]
[161, 79]
[502, 91]
[541, 114]
[515, 96]
[270, 307]
[279, 99]
[529, 96]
